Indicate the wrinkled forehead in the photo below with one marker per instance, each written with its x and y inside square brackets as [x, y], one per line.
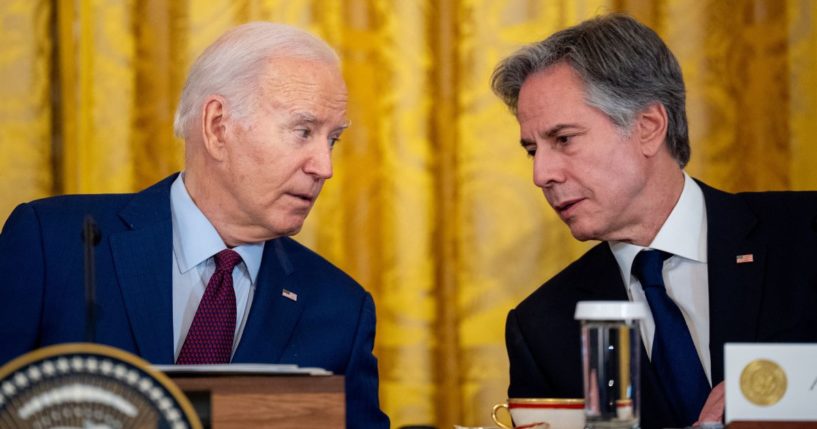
[289, 68]
[281, 75]
[307, 88]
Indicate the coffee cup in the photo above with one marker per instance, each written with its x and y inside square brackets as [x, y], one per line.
[542, 413]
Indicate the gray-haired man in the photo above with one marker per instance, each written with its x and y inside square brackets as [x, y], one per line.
[601, 109]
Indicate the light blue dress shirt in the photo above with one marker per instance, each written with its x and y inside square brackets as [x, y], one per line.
[195, 242]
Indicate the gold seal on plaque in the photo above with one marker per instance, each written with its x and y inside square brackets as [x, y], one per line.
[763, 382]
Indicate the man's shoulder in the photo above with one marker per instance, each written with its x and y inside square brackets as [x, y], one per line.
[779, 202]
[67, 210]
[775, 213]
[78, 202]
[785, 218]
[313, 267]
[563, 287]
[69, 203]
[782, 210]
[766, 203]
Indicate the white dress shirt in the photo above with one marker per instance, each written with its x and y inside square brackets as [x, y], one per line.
[685, 273]
[195, 242]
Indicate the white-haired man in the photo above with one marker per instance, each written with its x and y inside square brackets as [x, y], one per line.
[199, 267]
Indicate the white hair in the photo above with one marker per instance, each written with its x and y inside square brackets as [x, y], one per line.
[232, 65]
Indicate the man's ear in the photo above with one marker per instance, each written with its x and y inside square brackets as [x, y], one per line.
[213, 126]
[651, 128]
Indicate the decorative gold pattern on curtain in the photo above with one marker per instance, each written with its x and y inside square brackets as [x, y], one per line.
[432, 207]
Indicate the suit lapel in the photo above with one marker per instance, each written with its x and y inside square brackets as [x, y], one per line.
[272, 315]
[734, 288]
[142, 260]
[604, 283]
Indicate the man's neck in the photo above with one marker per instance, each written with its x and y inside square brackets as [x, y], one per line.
[660, 197]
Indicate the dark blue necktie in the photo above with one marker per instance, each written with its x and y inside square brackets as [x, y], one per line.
[674, 358]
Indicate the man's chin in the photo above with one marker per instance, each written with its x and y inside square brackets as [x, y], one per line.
[292, 227]
[287, 230]
[293, 231]
[582, 234]
[583, 237]
[273, 230]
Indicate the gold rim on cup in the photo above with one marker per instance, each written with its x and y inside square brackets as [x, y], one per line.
[564, 403]
[547, 401]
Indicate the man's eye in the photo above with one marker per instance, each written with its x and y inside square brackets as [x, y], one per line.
[303, 133]
[530, 150]
[562, 140]
[333, 141]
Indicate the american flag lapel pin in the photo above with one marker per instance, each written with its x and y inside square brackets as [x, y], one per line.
[289, 294]
[745, 259]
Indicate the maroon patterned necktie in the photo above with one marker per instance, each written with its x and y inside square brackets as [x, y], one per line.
[210, 338]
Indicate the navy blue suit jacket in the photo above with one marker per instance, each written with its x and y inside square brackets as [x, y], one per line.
[773, 299]
[331, 325]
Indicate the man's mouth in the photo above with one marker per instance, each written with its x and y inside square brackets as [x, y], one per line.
[306, 197]
[564, 207]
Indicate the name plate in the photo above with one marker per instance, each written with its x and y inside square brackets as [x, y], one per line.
[771, 382]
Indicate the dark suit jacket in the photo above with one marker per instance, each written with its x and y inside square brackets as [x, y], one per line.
[331, 325]
[773, 299]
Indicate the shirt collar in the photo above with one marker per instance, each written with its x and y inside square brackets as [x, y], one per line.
[683, 233]
[195, 239]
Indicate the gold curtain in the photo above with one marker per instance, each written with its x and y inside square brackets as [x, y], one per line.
[432, 207]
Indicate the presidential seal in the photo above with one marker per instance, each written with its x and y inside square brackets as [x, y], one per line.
[763, 382]
[83, 385]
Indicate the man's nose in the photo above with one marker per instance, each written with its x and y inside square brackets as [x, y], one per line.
[319, 163]
[547, 169]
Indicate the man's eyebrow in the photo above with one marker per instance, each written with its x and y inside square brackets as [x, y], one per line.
[550, 133]
[555, 130]
[307, 117]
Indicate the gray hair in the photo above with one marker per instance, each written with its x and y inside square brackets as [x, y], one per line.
[232, 66]
[625, 67]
